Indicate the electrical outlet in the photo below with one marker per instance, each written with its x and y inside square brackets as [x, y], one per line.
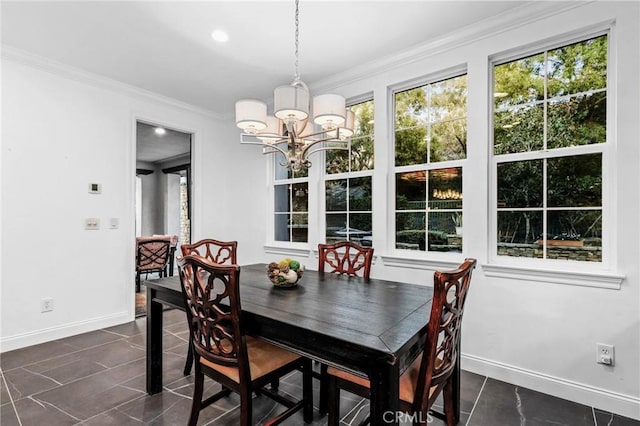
[47, 305]
[605, 354]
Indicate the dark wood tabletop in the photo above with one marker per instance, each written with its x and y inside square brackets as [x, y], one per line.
[373, 328]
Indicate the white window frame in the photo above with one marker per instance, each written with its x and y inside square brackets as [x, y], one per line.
[419, 259]
[593, 274]
[346, 175]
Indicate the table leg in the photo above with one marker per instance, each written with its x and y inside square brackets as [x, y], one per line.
[154, 343]
[385, 390]
[456, 385]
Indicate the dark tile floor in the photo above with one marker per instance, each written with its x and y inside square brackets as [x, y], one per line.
[98, 378]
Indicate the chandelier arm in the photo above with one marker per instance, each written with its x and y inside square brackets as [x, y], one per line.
[326, 148]
[275, 149]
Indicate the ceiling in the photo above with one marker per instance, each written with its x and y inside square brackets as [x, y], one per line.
[165, 46]
[152, 147]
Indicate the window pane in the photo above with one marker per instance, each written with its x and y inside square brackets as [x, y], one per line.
[281, 227]
[281, 195]
[337, 161]
[578, 120]
[300, 197]
[575, 235]
[411, 190]
[361, 154]
[360, 194]
[518, 129]
[411, 106]
[448, 140]
[335, 224]
[578, 67]
[574, 224]
[364, 118]
[411, 146]
[442, 232]
[575, 181]
[520, 184]
[449, 99]
[410, 231]
[360, 228]
[336, 195]
[300, 227]
[445, 188]
[519, 82]
[519, 228]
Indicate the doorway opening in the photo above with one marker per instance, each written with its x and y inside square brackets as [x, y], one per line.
[163, 192]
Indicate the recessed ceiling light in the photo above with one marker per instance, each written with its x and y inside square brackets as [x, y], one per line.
[160, 131]
[220, 36]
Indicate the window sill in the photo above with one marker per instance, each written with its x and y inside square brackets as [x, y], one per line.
[584, 279]
[420, 263]
[291, 249]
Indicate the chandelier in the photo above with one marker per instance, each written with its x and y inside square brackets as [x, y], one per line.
[292, 131]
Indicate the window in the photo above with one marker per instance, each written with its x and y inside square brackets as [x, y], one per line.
[291, 203]
[430, 142]
[549, 132]
[348, 183]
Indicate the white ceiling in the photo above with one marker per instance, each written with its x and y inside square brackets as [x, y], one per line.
[166, 47]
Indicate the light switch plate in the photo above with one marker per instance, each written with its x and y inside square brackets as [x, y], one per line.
[114, 223]
[92, 223]
[95, 188]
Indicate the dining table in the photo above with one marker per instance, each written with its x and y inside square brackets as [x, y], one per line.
[372, 328]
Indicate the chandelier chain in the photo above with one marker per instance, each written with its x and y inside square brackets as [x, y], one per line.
[297, 76]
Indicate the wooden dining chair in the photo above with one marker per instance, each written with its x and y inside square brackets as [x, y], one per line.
[220, 252]
[431, 372]
[152, 255]
[344, 257]
[225, 353]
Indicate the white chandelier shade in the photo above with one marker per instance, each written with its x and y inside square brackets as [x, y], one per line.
[329, 111]
[251, 115]
[291, 102]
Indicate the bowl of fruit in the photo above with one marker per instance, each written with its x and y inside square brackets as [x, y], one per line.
[285, 273]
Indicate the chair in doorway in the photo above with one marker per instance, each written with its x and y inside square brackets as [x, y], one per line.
[431, 373]
[152, 255]
[347, 258]
[173, 239]
[220, 252]
[224, 352]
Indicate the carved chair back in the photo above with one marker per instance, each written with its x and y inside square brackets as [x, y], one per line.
[212, 300]
[345, 257]
[152, 254]
[221, 252]
[443, 334]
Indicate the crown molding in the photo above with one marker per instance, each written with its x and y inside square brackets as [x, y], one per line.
[36, 61]
[506, 21]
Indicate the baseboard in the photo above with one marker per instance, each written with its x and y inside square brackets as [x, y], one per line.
[624, 405]
[71, 329]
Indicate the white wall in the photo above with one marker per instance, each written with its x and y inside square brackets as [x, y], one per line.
[61, 130]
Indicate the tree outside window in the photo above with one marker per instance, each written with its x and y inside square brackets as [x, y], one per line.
[430, 139]
[549, 131]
